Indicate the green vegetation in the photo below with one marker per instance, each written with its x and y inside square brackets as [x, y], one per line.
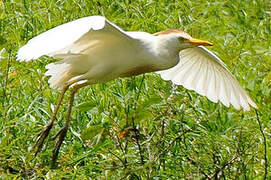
[166, 131]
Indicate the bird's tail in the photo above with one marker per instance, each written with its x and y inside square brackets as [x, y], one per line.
[60, 73]
[69, 70]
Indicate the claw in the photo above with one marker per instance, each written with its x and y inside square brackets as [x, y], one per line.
[59, 137]
[41, 137]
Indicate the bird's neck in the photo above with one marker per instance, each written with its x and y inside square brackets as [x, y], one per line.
[168, 49]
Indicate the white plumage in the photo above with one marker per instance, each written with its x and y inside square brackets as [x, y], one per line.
[57, 39]
[93, 50]
[88, 46]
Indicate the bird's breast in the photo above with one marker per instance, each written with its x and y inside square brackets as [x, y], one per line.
[139, 70]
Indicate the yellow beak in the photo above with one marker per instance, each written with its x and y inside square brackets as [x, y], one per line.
[198, 42]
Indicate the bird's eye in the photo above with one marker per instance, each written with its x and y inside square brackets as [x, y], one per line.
[181, 39]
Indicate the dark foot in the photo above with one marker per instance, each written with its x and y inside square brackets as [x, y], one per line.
[59, 137]
[41, 137]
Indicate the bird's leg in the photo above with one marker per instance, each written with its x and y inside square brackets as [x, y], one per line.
[59, 137]
[45, 132]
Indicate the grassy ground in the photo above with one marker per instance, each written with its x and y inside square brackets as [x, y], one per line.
[180, 135]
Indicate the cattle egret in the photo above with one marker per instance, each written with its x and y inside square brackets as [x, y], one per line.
[94, 50]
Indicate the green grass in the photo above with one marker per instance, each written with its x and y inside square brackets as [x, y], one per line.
[181, 135]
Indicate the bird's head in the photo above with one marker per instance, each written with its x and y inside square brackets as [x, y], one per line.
[182, 39]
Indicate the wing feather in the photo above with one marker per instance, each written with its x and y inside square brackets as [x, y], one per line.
[202, 71]
[197, 76]
[202, 75]
[72, 37]
[185, 73]
[189, 81]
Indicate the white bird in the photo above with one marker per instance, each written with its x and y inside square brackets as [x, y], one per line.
[94, 50]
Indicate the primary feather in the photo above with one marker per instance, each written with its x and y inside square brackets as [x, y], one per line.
[202, 71]
[72, 37]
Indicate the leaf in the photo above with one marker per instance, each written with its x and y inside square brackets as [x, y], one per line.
[93, 150]
[94, 135]
[92, 131]
[267, 79]
[143, 114]
[86, 106]
[151, 101]
[124, 133]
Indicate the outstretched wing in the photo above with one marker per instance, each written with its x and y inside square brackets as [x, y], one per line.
[74, 38]
[202, 71]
